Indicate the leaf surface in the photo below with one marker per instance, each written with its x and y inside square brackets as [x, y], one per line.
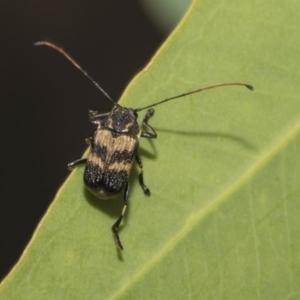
[222, 221]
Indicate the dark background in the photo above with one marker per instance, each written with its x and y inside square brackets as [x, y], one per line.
[44, 99]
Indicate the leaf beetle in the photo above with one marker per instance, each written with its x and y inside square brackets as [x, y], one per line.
[114, 145]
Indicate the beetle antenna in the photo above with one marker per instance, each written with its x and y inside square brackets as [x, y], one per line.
[250, 87]
[66, 55]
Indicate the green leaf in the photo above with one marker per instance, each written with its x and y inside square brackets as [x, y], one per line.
[222, 221]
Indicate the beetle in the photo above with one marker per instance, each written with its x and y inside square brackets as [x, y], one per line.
[114, 145]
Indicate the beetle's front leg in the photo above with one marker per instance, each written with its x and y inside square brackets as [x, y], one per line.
[146, 134]
[117, 223]
[96, 117]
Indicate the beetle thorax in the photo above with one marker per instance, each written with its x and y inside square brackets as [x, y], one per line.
[122, 120]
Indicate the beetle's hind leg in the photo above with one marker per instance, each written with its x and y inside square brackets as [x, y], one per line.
[141, 177]
[117, 223]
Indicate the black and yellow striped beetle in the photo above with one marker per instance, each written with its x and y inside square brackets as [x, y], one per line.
[114, 146]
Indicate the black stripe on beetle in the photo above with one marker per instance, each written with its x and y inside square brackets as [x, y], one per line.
[114, 145]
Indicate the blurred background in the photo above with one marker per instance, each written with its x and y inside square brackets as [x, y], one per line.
[44, 99]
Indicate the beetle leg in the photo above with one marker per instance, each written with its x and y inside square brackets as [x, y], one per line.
[117, 223]
[96, 117]
[145, 134]
[89, 140]
[92, 113]
[141, 177]
[76, 162]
